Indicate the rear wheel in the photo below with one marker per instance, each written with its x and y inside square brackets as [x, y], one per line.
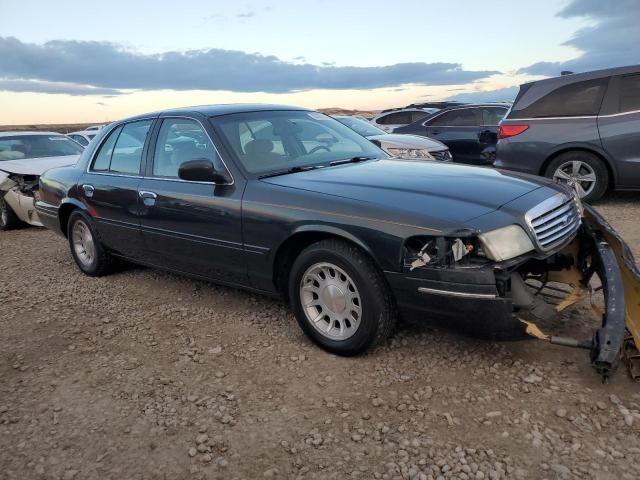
[8, 218]
[340, 298]
[86, 249]
[583, 171]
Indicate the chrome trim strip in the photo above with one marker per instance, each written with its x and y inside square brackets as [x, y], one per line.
[609, 115]
[451, 293]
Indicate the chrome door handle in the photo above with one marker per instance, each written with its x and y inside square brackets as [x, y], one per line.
[148, 198]
[88, 190]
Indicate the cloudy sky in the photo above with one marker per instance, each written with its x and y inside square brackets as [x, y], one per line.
[96, 61]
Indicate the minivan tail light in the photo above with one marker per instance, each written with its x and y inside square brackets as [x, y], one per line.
[506, 131]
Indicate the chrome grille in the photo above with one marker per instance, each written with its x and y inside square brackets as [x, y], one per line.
[442, 155]
[554, 221]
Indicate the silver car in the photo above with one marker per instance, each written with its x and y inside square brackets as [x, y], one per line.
[24, 156]
[405, 146]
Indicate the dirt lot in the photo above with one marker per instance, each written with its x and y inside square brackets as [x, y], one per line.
[146, 375]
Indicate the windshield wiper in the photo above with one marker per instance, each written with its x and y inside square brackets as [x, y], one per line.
[351, 160]
[287, 171]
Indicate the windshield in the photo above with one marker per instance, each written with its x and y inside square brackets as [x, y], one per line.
[36, 146]
[360, 126]
[275, 140]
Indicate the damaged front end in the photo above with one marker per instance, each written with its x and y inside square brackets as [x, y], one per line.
[466, 279]
[20, 192]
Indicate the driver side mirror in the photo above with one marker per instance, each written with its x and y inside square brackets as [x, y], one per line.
[201, 170]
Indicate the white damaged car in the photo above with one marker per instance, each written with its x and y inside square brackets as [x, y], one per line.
[24, 156]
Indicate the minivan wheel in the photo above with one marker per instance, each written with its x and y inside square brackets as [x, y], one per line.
[580, 170]
[86, 249]
[8, 218]
[340, 298]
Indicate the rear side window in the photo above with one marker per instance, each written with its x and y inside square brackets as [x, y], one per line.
[464, 117]
[575, 99]
[122, 151]
[629, 93]
[491, 116]
[400, 118]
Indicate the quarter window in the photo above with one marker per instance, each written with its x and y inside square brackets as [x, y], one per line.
[181, 140]
[103, 159]
[629, 93]
[464, 117]
[575, 99]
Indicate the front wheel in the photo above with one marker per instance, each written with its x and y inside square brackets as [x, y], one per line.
[86, 249]
[583, 171]
[340, 298]
[8, 218]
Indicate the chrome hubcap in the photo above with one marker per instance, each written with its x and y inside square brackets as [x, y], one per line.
[330, 301]
[83, 244]
[4, 213]
[578, 175]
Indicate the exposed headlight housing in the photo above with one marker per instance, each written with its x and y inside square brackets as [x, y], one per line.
[505, 243]
[410, 153]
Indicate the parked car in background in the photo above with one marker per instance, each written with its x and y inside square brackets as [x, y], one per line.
[94, 128]
[582, 129]
[82, 137]
[390, 119]
[403, 146]
[470, 131]
[437, 105]
[24, 156]
[350, 237]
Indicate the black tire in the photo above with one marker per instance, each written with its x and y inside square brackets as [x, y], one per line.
[593, 161]
[100, 261]
[8, 218]
[378, 314]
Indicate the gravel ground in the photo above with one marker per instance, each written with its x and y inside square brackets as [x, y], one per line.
[145, 375]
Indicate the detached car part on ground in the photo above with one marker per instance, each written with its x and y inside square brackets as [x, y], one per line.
[350, 237]
[24, 156]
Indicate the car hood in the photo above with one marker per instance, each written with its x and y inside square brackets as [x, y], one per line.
[36, 166]
[424, 193]
[394, 140]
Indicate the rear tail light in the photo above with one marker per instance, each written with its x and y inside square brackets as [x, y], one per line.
[506, 131]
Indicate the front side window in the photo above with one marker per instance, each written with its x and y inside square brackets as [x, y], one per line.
[17, 147]
[629, 94]
[575, 99]
[274, 140]
[121, 152]
[181, 140]
[464, 117]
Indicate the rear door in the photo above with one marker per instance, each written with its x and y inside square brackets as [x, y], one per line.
[488, 133]
[459, 130]
[190, 227]
[109, 187]
[619, 126]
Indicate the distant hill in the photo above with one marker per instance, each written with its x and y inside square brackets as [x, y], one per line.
[43, 127]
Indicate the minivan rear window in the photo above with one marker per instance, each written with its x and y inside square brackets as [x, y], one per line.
[575, 99]
[629, 93]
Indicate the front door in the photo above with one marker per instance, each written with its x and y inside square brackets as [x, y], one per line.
[109, 188]
[458, 129]
[190, 227]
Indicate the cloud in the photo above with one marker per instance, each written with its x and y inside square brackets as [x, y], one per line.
[500, 95]
[610, 42]
[246, 15]
[110, 66]
[67, 88]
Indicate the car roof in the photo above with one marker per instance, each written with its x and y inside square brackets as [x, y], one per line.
[219, 109]
[26, 132]
[593, 74]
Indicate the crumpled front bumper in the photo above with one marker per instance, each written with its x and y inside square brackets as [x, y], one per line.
[468, 299]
